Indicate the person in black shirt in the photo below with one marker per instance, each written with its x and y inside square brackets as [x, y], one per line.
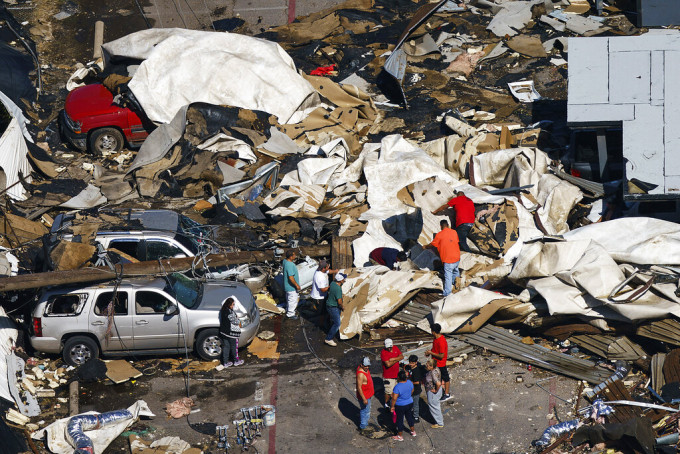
[416, 373]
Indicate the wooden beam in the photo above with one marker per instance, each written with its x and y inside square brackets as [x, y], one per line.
[103, 273]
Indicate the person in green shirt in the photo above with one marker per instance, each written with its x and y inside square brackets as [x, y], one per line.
[334, 305]
[290, 284]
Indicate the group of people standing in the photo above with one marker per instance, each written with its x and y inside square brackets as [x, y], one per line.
[403, 385]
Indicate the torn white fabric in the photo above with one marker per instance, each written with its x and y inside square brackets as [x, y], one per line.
[295, 201]
[235, 70]
[8, 338]
[321, 171]
[374, 237]
[160, 140]
[372, 293]
[557, 198]
[14, 160]
[223, 142]
[582, 263]
[455, 309]
[89, 197]
[13, 151]
[399, 164]
[101, 438]
[279, 143]
[645, 241]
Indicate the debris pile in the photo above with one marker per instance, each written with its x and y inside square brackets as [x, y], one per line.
[334, 135]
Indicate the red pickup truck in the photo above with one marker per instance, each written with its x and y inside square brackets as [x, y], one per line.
[90, 120]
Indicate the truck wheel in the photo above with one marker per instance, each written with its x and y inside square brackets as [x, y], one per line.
[208, 344]
[106, 140]
[79, 349]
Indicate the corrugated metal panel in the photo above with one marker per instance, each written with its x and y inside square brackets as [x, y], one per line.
[503, 342]
[610, 347]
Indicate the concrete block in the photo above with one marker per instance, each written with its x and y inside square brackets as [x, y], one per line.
[643, 145]
[599, 113]
[672, 113]
[629, 77]
[657, 76]
[588, 71]
[647, 42]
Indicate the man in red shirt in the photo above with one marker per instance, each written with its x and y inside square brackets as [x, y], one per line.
[440, 351]
[464, 214]
[364, 394]
[390, 357]
[446, 242]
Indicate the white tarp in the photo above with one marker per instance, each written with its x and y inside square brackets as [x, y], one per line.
[8, 337]
[213, 67]
[644, 241]
[529, 166]
[455, 309]
[372, 293]
[399, 164]
[320, 170]
[577, 277]
[101, 438]
[13, 150]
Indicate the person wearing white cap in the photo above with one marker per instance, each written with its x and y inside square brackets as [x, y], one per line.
[364, 393]
[334, 305]
[390, 357]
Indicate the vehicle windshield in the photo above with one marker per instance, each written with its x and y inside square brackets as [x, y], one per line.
[192, 235]
[185, 290]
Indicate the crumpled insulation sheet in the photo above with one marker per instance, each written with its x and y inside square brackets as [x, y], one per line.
[101, 438]
[8, 337]
[13, 150]
[576, 278]
[235, 70]
[454, 310]
[635, 240]
[529, 166]
[370, 294]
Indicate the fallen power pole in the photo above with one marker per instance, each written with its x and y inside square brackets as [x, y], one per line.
[103, 273]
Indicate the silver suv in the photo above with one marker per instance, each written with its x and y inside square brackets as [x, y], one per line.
[139, 316]
[141, 234]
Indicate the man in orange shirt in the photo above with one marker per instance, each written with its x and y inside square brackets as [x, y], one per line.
[446, 242]
[364, 394]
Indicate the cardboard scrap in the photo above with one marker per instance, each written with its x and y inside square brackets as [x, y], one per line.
[120, 371]
[264, 349]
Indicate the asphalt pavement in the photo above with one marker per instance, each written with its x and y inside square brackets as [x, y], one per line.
[312, 387]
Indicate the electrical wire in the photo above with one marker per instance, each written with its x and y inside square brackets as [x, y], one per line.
[148, 25]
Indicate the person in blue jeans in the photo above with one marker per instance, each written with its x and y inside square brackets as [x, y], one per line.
[365, 392]
[402, 405]
[334, 306]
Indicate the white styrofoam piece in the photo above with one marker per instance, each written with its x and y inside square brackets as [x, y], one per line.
[643, 146]
[588, 113]
[629, 77]
[588, 71]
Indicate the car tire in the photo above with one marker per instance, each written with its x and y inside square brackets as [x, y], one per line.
[209, 344]
[105, 140]
[79, 349]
